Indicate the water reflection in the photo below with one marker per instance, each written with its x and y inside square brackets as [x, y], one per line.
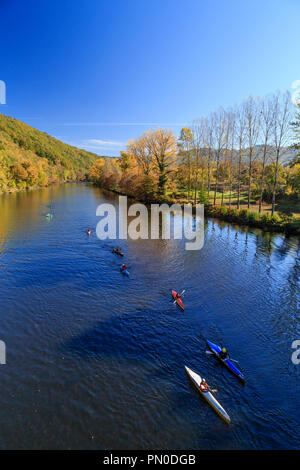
[110, 350]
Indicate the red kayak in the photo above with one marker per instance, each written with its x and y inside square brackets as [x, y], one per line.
[178, 301]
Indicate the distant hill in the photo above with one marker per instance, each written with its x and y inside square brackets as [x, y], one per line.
[286, 156]
[31, 158]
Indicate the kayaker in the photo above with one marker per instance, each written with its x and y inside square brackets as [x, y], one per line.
[177, 296]
[204, 386]
[89, 231]
[224, 354]
[124, 267]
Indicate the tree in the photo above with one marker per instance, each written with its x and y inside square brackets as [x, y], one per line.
[219, 124]
[294, 178]
[252, 116]
[232, 123]
[124, 161]
[281, 132]
[241, 135]
[185, 150]
[162, 146]
[296, 128]
[96, 171]
[267, 123]
[19, 173]
[140, 151]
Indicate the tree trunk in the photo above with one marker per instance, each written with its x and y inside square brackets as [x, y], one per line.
[189, 181]
[262, 182]
[239, 180]
[250, 177]
[217, 177]
[275, 182]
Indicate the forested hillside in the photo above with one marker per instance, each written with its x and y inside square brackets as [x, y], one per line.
[31, 158]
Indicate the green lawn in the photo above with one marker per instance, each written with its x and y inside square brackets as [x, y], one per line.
[281, 206]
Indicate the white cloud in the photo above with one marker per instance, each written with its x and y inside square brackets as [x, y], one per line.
[144, 124]
[99, 143]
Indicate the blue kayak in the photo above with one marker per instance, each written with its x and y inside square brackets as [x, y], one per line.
[227, 362]
[124, 272]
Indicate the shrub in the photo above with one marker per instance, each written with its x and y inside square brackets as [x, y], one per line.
[286, 217]
[265, 219]
[243, 214]
[253, 217]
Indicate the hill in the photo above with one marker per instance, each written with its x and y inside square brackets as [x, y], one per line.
[31, 158]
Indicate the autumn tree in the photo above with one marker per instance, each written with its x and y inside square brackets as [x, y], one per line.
[281, 133]
[266, 125]
[18, 172]
[185, 145]
[139, 149]
[162, 145]
[219, 125]
[252, 117]
[96, 171]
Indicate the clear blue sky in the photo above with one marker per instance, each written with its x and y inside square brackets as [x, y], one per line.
[97, 73]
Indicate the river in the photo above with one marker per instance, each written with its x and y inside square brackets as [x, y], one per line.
[95, 360]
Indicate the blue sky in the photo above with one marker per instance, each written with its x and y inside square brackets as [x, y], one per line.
[97, 73]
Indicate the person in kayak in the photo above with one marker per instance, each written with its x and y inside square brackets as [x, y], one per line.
[124, 267]
[204, 387]
[224, 354]
[177, 296]
[89, 231]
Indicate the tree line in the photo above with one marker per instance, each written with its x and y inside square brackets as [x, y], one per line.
[233, 156]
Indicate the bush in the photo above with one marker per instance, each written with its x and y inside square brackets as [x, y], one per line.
[243, 214]
[286, 217]
[265, 219]
[275, 220]
[253, 217]
[202, 196]
[232, 213]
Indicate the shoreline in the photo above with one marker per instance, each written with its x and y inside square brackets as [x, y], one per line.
[242, 217]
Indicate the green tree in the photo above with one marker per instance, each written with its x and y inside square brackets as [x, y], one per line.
[185, 146]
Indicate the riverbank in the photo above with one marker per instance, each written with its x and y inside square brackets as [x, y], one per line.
[286, 224]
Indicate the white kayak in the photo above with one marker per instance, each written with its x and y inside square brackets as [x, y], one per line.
[196, 379]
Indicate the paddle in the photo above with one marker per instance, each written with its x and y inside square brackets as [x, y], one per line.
[179, 296]
[210, 352]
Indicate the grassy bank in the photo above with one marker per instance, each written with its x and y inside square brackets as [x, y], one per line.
[282, 223]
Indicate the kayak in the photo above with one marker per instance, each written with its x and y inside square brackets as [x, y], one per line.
[118, 253]
[124, 272]
[196, 379]
[178, 301]
[227, 362]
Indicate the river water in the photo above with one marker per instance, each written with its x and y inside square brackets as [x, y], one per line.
[95, 360]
